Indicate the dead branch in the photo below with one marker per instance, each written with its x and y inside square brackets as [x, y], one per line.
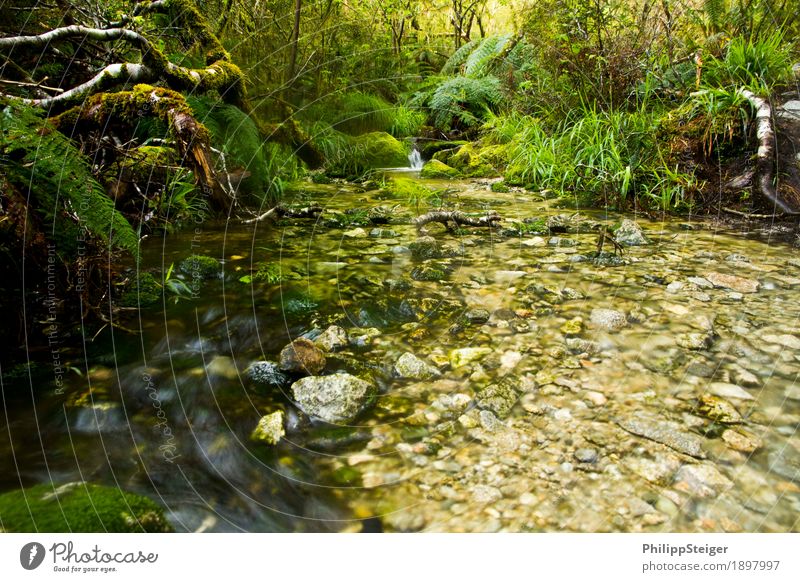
[457, 218]
[283, 212]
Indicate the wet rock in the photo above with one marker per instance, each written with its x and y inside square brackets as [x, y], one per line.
[499, 398]
[302, 357]
[586, 455]
[784, 460]
[382, 233]
[784, 340]
[410, 366]
[792, 392]
[701, 282]
[463, 356]
[222, 366]
[581, 346]
[489, 421]
[429, 272]
[630, 234]
[606, 259]
[337, 398]
[362, 336]
[477, 315]
[425, 247]
[507, 277]
[608, 319]
[486, 494]
[269, 429]
[266, 373]
[726, 390]
[535, 241]
[355, 233]
[558, 241]
[741, 441]
[572, 327]
[397, 285]
[695, 341]
[718, 410]
[701, 480]
[745, 377]
[667, 433]
[659, 469]
[332, 339]
[675, 287]
[732, 282]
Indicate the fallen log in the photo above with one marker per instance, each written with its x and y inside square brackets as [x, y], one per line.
[457, 218]
[283, 212]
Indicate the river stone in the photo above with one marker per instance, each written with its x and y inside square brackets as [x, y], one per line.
[336, 398]
[463, 356]
[733, 282]
[784, 460]
[718, 410]
[700, 282]
[785, 340]
[586, 455]
[425, 247]
[410, 366]
[506, 277]
[701, 480]
[332, 339]
[269, 429]
[535, 241]
[741, 441]
[572, 327]
[608, 319]
[222, 366]
[302, 357]
[499, 398]
[695, 341]
[477, 315]
[266, 373]
[726, 390]
[578, 345]
[486, 494]
[630, 234]
[667, 433]
[355, 233]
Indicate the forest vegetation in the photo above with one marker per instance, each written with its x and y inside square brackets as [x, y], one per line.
[125, 118]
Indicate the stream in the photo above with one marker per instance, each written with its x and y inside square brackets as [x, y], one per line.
[656, 391]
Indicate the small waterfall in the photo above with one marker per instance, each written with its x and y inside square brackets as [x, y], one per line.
[415, 160]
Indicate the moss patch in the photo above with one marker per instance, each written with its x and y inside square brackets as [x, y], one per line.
[79, 507]
[200, 267]
[437, 169]
[143, 291]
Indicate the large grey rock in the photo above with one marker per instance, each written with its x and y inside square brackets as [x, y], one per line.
[630, 234]
[336, 398]
[499, 398]
[425, 247]
[667, 433]
[410, 366]
[732, 282]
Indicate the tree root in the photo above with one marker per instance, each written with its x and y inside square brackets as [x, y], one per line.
[283, 212]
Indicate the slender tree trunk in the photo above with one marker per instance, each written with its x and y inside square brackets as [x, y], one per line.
[298, 7]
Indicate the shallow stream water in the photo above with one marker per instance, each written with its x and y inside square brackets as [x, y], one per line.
[677, 410]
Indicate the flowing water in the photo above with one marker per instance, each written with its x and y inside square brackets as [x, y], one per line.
[677, 410]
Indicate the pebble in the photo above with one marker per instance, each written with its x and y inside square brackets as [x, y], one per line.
[586, 455]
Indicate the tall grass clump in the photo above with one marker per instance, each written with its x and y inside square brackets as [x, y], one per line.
[757, 64]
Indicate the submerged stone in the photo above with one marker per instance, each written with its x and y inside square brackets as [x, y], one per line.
[667, 433]
[630, 234]
[609, 319]
[332, 339]
[410, 366]
[463, 356]
[732, 282]
[266, 373]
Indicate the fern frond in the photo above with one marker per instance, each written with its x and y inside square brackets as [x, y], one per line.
[479, 62]
[458, 58]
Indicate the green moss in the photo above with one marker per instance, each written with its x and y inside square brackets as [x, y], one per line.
[200, 267]
[474, 160]
[500, 187]
[79, 507]
[143, 291]
[366, 152]
[147, 163]
[437, 169]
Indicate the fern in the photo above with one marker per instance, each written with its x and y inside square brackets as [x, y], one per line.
[458, 58]
[479, 62]
[464, 101]
[58, 177]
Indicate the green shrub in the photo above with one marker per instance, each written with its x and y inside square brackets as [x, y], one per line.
[755, 63]
[200, 266]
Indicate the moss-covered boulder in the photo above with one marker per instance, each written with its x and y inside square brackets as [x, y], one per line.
[200, 267]
[437, 169]
[477, 161]
[429, 148]
[79, 507]
[143, 291]
[367, 152]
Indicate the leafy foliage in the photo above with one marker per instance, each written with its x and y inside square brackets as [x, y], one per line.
[45, 163]
[758, 64]
[464, 101]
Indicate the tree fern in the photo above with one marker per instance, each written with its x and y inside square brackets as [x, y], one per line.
[58, 177]
[464, 101]
[458, 58]
[479, 62]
